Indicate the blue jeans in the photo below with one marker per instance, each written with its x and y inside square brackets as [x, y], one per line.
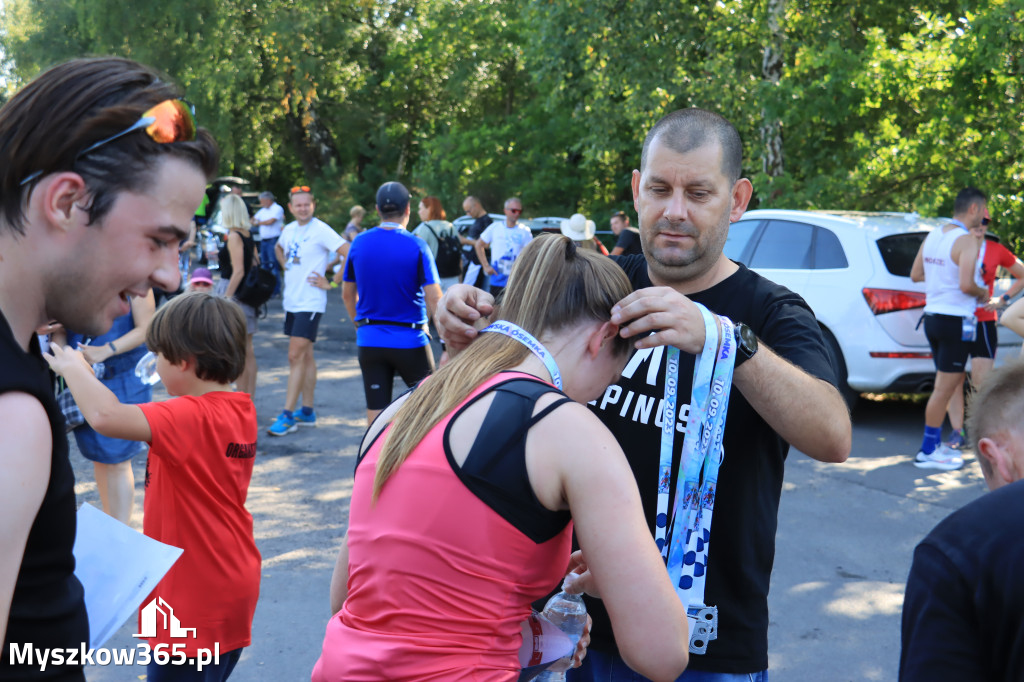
[601, 666]
[268, 260]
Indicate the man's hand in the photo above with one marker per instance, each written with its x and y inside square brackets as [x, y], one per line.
[677, 319]
[319, 281]
[460, 309]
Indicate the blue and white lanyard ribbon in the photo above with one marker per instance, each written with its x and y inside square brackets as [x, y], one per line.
[526, 338]
[684, 537]
[392, 226]
[958, 223]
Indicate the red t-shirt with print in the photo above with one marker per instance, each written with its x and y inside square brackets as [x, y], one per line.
[995, 255]
[197, 479]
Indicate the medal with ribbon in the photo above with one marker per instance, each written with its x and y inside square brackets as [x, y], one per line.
[684, 536]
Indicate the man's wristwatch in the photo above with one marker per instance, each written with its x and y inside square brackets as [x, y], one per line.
[746, 343]
[113, 348]
[1006, 299]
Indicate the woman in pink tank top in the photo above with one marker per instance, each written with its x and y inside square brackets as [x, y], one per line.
[460, 510]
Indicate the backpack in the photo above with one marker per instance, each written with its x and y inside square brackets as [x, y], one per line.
[449, 253]
[257, 287]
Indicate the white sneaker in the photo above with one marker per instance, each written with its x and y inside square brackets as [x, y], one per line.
[943, 458]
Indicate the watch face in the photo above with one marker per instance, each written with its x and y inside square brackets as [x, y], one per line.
[748, 340]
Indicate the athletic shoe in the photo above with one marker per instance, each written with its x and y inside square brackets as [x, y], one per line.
[283, 426]
[943, 459]
[957, 440]
[304, 419]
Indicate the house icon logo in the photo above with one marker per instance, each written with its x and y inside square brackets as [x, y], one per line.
[148, 619]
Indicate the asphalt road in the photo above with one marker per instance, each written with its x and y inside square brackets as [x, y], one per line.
[845, 538]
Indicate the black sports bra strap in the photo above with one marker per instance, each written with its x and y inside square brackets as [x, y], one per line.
[546, 411]
[506, 423]
[516, 438]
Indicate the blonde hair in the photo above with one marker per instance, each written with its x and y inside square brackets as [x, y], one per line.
[554, 285]
[233, 212]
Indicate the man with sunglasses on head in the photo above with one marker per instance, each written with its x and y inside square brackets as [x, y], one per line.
[306, 248]
[505, 240]
[101, 171]
[946, 264]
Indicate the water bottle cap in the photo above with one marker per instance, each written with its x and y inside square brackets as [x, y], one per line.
[569, 579]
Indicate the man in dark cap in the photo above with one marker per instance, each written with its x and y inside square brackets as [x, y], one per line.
[391, 289]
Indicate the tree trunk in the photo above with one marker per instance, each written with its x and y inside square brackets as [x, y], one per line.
[771, 72]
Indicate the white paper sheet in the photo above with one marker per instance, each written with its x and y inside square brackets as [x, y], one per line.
[118, 567]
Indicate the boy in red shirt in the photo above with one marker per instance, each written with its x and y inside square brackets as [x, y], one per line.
[203, 442]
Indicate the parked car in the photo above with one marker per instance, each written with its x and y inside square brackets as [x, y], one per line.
[853, 269]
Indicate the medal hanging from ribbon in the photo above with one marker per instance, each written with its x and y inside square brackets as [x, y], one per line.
[684, 536]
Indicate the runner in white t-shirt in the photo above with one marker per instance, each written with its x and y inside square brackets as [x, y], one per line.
[304, 250]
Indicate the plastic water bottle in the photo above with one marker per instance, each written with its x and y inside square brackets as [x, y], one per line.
[568, 612]
[145, 369]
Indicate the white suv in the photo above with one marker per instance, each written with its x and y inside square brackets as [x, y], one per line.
[853, 269]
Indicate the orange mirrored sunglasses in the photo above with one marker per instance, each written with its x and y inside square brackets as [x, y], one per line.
[299, 188]
[170, 121]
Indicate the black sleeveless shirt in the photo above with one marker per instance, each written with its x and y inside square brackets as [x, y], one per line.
[226, 269]
[48, 605]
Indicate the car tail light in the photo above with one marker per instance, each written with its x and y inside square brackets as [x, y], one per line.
[890, 300]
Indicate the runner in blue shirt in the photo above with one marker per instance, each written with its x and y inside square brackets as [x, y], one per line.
[390, 287]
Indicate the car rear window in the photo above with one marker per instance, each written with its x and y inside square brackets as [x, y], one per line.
[899, 250]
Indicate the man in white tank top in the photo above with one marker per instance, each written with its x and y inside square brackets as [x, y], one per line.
[945, 263]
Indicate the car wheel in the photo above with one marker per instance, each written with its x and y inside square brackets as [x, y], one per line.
[836, 356]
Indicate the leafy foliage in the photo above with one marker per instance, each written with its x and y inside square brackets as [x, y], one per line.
[880, 105]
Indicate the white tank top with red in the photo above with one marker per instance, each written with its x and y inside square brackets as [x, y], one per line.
[942, 275]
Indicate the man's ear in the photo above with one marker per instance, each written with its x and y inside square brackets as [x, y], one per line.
[998, 460]
[742, 190]
[58, 195]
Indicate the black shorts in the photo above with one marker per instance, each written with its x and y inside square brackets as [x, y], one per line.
[986, 338]
[945, 336]
[302, 324]
[380, 364]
